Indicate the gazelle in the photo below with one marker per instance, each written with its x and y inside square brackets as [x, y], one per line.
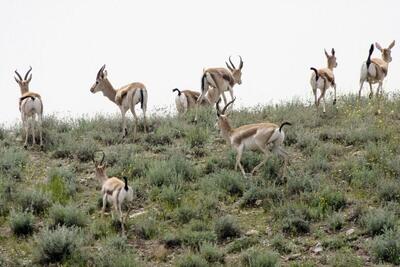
[256, 136]
[186, 100]
[113, 190]
[222, 80]
[125, 98]
[323, 79]
[30, 106]
[374, 70]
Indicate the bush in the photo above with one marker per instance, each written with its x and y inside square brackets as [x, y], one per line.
[172, 240]
[171, 195]
[387, 247]
[162, 136]
[301, 184]
[112, 257]
[229, 181]
[295, 225]
[281, 245]
[375, 222]
[194, 239]
[241, 244]
[197, 137]
[56, 245]
[67, 176]
[85, 150]
[67, 216]
[389, 191]
[260, 258]
[99, 229]
[161, 173]
[211, 253]
[252, 195]
[12, 162]
[345, 258]
[146, 229]
[186, 213]
[227, 227]
[191, 260]
[336, 222]
[36, 202]
[22, 223]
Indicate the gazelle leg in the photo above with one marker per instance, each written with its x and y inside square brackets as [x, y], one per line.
[25, 124]
[135, 121]
[265, 151]
[224, 98]
[359, 91]
[379, 91]
[334, 88]
[239, 151]
[33, 129]
[124, 130]
[144, 120]
[315, 96]
[371, 92]
[104, 204]
[40, 120]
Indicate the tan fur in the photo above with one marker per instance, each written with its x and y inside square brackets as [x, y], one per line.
[382, 67]
[122, 92]
[248, 130]
[327, 74]
[112, 184]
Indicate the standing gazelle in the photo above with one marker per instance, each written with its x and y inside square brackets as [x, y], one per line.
[30, 106]
[255, 136]
[323, 79]
[125, 98]
[186, 100]
[222, 80]
[374, 70]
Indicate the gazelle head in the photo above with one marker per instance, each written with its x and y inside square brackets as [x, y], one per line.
[222, 117]
[100, 78]
[100, 166]
[236, 73]
[331, 59]
[23, 83]
[386, 52]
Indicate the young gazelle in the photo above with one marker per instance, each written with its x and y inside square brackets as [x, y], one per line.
[323, 79]
[374, 70]
[30, 106]
[113, 190]
[186, 100]
[222, 80]
[125, 98]
[253, 137]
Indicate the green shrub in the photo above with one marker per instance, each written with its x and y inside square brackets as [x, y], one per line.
[22, 223]
[301, 184]
[170, 195]
[389, 191]
[330, 200]
[162, 173]
[211, 253]
[146, 228]
[85, 149]
[345, 258]
[197, 137]
[336, 222]
[281, 245]
[194, 239]
[191, 260]
[252, 195]
[186, 213]
[36, 202]
[67, 216]
[56, 246]
[99, 229]
[226, 227]
[295, 225]
[172, 240]
[241, 244]
[229, 181]
[260, 258]
[162, 136]
[386, 248]
[12, 162]
[183, 168]
[119, 243]
[67, 176]
[376, 221]
[112, 257]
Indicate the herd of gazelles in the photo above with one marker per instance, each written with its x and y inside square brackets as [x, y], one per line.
[214, 83]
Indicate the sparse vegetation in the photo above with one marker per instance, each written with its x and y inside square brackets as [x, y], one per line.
[343, 173]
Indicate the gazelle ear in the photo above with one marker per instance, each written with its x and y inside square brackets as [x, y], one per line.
[326, 53]
[392, 44]
[378, 46]
[16, 79]
[333, 51]
[104, 75]
[30, 78]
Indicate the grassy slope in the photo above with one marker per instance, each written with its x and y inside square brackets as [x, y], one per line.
[343, 165]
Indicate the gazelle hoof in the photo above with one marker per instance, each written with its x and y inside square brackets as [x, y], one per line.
[334, 101]
[25, 146]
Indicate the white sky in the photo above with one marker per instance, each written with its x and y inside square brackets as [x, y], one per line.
[166, 44]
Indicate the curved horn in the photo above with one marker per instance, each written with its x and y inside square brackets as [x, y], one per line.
[241, 63]
[19, 76]
[227, 105]
[333, 51]
[229, 67]
[101, 70]
[217, 107]
[231, 62]
[26, 75]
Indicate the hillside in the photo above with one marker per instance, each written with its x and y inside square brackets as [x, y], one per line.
[336, 204]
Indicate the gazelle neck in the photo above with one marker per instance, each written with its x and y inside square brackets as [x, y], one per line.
[226, 130]
[108, 90]
[24, 89]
